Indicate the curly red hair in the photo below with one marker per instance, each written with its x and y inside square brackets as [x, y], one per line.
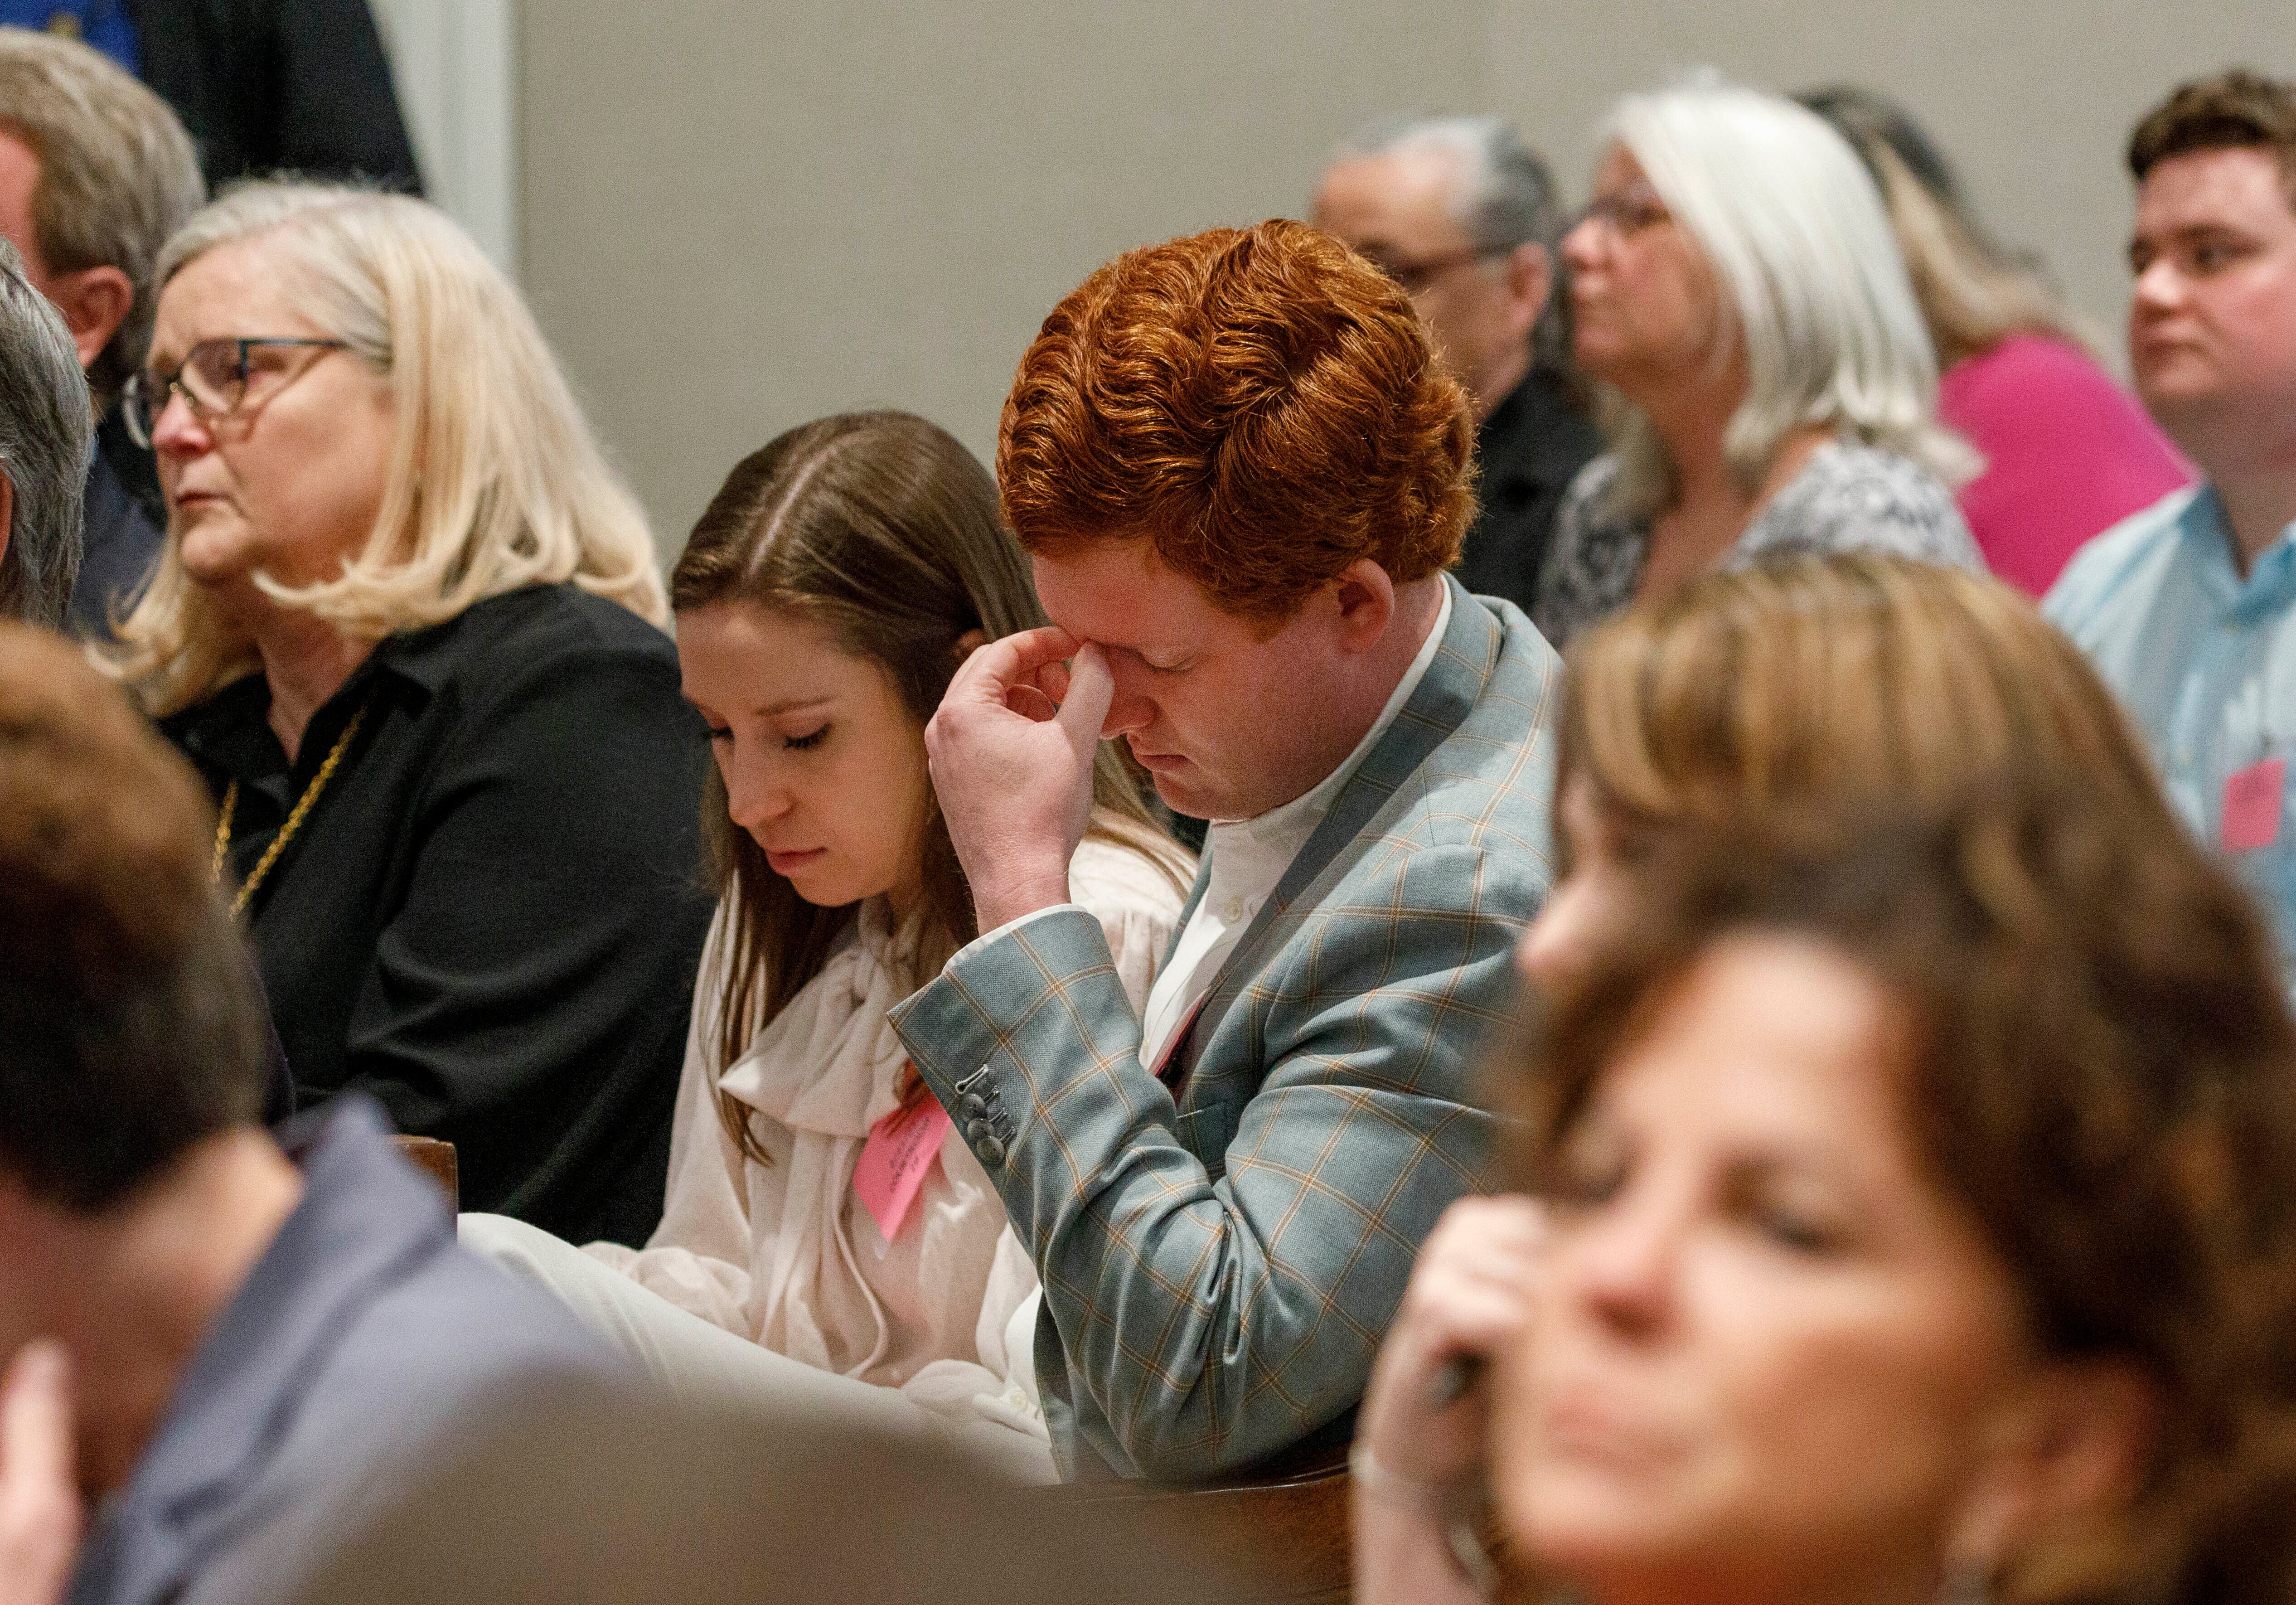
[1262, 403]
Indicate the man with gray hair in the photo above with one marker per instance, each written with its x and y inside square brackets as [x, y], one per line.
[1464, 215]
[95, 173]
[46, 426]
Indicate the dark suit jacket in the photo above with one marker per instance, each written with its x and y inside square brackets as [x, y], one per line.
[1526, 453]
[270, 86]
[121, 545]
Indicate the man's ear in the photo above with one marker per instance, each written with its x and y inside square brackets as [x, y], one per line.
[969, 642]
[7, 511]
[94, 302]
[2071, 1450]
[1364, 598]
[1529, 281]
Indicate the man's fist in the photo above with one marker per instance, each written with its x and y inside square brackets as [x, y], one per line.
[1011, 750]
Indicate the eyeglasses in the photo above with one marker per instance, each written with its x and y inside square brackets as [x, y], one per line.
[1412, 277]
[217, 379]
[1626, 212]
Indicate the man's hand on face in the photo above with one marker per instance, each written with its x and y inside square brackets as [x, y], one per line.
[1011, 749]
[39, 1506]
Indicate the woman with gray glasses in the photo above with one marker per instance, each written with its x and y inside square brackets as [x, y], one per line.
[408, 624]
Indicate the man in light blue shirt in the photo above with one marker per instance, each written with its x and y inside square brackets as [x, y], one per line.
[2188, 609]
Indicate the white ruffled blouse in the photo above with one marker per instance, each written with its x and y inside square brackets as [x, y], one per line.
[787, 1255]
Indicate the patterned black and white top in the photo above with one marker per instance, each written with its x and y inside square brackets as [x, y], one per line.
[1849, 498]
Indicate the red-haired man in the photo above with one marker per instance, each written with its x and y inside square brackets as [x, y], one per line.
[1241, 473]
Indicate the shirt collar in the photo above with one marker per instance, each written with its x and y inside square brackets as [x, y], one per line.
[231, 730]
[428, 657]
[1259, 849]
[2270, 583]
[363, 1218]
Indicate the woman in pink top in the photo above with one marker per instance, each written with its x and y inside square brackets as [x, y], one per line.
[2069, 453]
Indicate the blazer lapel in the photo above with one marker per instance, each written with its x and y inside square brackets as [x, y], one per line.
[1453, 681]
[1188, 909]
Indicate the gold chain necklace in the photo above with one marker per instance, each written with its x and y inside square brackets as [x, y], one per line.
[286, 832]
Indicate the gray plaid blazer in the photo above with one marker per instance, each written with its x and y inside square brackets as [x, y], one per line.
[1218, 1273]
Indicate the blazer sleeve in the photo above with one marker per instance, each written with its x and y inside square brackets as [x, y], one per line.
[1218, 1314]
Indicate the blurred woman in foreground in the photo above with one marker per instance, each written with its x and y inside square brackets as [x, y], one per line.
[1813, 687]
[1906, 1220]
[1818, 685]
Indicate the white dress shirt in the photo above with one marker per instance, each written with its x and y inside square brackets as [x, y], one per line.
[1248, 858]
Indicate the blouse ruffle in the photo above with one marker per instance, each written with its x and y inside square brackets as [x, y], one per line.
[786, 1255]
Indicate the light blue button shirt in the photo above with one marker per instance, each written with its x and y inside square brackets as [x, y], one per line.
[2204, 659]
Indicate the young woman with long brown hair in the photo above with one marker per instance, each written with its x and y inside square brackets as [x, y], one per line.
[829, 1237]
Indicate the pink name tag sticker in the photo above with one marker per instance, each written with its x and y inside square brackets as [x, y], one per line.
[901, 1148]
[2251, 805]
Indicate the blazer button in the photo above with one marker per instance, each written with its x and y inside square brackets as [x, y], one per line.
[991, 1150]
[977, 1129]
[972, 1107]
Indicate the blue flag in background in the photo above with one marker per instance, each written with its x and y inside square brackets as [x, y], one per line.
[102, 23]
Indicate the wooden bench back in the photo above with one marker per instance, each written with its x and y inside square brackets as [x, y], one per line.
[437, 1158]
[1284, 1541]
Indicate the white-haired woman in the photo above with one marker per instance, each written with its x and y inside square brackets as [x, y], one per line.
[408, 624]
[1736, 290]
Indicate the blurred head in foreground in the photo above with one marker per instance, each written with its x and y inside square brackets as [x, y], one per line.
[128, 1033]
[132, 1064]
[1917, 1221]
[1818, 686]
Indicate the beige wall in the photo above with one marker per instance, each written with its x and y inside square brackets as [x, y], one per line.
[736, 216]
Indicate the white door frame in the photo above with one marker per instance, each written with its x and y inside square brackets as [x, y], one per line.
[454, 65]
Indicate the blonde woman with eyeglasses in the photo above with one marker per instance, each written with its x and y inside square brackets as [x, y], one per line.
[408, 624]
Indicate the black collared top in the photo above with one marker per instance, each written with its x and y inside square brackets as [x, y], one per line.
[491, 919]
[1527, 452]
